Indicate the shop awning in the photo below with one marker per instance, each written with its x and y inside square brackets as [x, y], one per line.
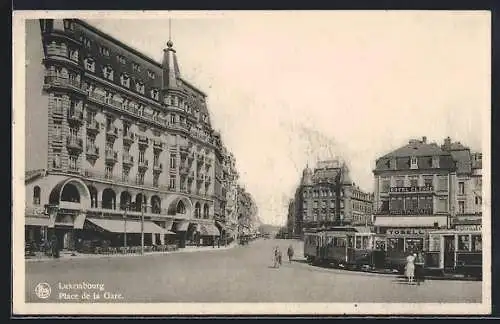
[130, 226]
[181, 226]
[362, 229]
[36, 221]
[209, 230]
[410, 221]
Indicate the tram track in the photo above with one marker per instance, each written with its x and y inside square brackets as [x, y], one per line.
[386, 272]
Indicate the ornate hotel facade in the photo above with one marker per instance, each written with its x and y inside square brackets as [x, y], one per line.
[328, 197]
[114, 137]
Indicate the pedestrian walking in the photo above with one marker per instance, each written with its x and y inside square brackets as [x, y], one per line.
[410, 268]
[419, 267]
[290, 253]
[276, 257]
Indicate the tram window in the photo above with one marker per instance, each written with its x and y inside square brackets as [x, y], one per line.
[365, 242]
[477, 243]
[350, 241]
[380, 245]
[395, 244]
[358, 242]
[339, 241]
[413, 245]
[463, 243]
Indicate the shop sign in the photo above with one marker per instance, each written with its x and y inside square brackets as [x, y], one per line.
[411, 189]
[476, 227]
[402, 232]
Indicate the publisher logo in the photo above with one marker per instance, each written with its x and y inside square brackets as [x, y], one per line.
[42, 290]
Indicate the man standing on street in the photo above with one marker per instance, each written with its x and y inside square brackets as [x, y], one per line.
[290, 253]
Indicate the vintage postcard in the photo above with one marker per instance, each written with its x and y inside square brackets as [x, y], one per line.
[292, 162]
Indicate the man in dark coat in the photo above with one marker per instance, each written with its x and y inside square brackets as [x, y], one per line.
[290, 253]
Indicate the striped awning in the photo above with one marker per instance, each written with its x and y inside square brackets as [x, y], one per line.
[181, 226]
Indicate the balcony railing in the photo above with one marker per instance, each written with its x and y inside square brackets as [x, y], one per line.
[74, 143]
[157, 145]
[75, 116]
[128, 137]
[128, 159]
[57, 50]
[59, 81]
[184, 170]
[92, 126]
[92, 152]
[143, 164]
[416, 211]
[142, 140]
[112, 132]
[111, 156]
[157, 167]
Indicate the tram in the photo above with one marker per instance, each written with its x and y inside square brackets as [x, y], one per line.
[342, 247]
[455, 251]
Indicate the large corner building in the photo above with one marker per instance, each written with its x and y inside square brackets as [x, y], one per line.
[114, 136]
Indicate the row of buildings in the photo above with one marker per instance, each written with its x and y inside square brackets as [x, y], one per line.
[419, 187]
[118, 144]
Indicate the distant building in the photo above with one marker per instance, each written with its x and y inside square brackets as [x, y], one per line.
[327, 197]
[424, 186]
[290, 223]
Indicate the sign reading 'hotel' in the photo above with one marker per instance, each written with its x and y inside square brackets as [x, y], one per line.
[411, 189]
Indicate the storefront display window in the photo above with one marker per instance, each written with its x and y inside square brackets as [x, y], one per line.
[463, 243]
[413, 245]
[358, 242]
[477, 243]
[395, 244]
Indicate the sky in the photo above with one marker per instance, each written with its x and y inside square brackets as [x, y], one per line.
[286, 89]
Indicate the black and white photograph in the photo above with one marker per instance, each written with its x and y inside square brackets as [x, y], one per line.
[220, 162]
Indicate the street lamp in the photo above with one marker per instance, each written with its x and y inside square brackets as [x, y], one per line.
[143, 206]
[126, 206]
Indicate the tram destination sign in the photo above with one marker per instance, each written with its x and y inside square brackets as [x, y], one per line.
[407, 232]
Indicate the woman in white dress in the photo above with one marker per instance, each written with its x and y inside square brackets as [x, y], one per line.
[410, 268]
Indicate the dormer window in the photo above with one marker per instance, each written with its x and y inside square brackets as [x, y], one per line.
[151, 74]
[86, 42]
[139, 87]
[90, 64]
[108, 72]
[73, 55]
[136, 67]
[413, 163]
[121, 59]
[68, 24]
[104, 51]
[435, 161]
[168, 101]
[125, 80]
[155, 94]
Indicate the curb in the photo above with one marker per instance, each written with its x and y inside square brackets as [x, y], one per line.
[389, 275]
[108, 256]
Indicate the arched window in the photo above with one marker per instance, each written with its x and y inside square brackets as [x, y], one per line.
[108, 199]
[70, 193]
[125, 200]
[140, 202]
[197, 210]
[181, 208]
[205, 211]
[36, 195]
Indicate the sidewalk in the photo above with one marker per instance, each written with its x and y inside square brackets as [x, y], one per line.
[69, 255]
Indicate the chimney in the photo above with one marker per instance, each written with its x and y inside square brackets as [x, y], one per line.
[424, 139]
[447, 143]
